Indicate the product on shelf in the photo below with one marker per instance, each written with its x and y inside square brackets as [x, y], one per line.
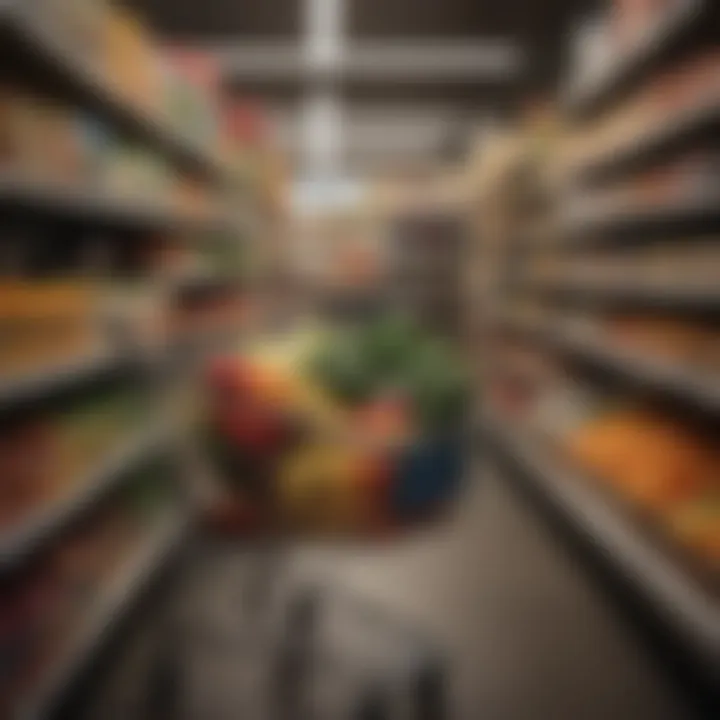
[217, 307]
[79, 27]
[625, 28]
[664, 467]
[47, 454]
[44, 323]
[244, 135]
[132, 63]
[690, 264]
[61, 149]
[659, 465]
[256, 169]
[689, 343]
[38, 139]
[692, 86]
[28, 450]
[44, 607]
[192, 94]
[630, 19]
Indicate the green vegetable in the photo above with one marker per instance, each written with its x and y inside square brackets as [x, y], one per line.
[388, 346]
[392, 354]
[340, 368]
[439, 387]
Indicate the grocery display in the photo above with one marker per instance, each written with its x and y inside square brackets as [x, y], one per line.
[612, 49]
[602, 373]
[207, 309]
[102, 58]
[47, 452]
[408, 300]
[51, 150]
[352, 429]
[658, 464]
[54, 596]
[46, 323]
[112, 194]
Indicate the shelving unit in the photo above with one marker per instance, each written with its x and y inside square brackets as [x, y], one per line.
[47, 63]
[659, 44]
[115, 603]
[553, 283]
[612, 222]
[639, 293]
[17, 544]
[39, 61]
[682, 604]
[29, 386]
[692, 385]
[87, 206]
[668, 137]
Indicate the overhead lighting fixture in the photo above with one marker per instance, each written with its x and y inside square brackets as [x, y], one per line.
[324, 35]
[322, 134]
[324, 42]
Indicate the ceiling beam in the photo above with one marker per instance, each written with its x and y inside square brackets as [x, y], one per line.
[489, 60]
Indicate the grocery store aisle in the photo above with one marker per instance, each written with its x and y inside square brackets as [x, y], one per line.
[526, 633]
[528, 636]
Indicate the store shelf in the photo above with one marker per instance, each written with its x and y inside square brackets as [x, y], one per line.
[34, 52]
[609, 222]
[204, 281]
[692, 385]
[214, 337]
[655, 144]
[30, 386]
[89, 206]
[635, 293]
[659, 44]
[16, 544]
[683, 606]
[113, 605]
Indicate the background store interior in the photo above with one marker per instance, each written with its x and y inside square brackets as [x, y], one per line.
[534, 185]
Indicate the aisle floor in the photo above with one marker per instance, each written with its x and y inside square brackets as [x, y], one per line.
[526, 632]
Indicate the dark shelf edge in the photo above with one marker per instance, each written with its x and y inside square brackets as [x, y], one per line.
[84, 205]
[655, 144]
[28, 387]
[659, 220]
[650, 295]
[693, 386]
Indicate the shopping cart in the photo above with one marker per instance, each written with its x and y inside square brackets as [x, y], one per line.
[303, 649]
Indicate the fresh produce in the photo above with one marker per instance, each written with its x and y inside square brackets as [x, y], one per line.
[391, 356]
[339, 367]
[388, 346]
[654, 462]
[439, 388]
[320, 486]
[662, 467]
[347, 429]
[696, 524]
